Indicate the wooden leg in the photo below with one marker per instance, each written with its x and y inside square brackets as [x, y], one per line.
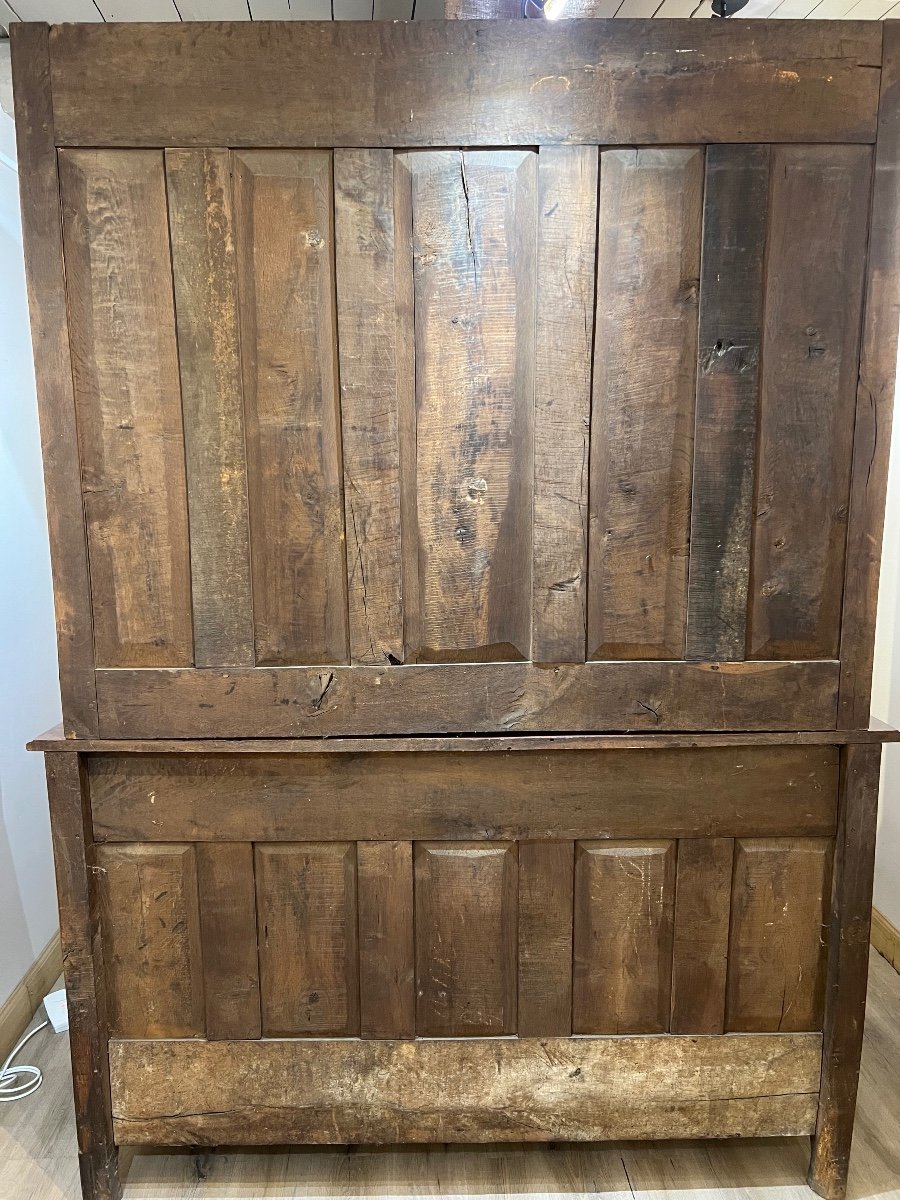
[83, 965]
[848, 961]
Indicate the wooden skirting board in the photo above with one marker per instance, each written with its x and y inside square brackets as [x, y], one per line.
[886, 938]
[22, 1004]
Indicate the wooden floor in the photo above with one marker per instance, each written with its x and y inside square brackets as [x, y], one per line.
[37, 1151]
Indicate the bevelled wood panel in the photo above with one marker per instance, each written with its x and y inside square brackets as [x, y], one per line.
[520, 794]
[473, 237]
[624, 908]
[567, 236]
[816, 256]
[128, 405]
[730, 325]
[700, 946]
[308, 962]
[779, 913]
[284, 218]
[151, 940]
[465, 939]
[645, 353]
[201, 224]
[367, 341]
[465, 83]
[546, 881]
[387, 987]
[227, 891]
[478, 1090]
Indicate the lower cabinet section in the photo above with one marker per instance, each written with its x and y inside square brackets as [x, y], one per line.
[494, 1089]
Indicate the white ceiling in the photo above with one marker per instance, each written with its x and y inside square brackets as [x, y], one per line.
[393, 10]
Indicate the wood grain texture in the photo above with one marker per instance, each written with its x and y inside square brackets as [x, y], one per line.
[731, 294]
[546, 883]
[874, 403]
[54, 742]
[284, 219]
[472, 1090]
[567, 234]
[814, 281]
[648, 269]
[776, 955]
[700, 945]
[415, 795]
[367, 341]
[227, 894]
[465, 939]
[127, 399]
[845, 985]
[584, 82]
[45, 276]
[85, 975]
[473, 233]
[497, 698]
[151, 940]
[624, 910]
[201, 228]
[308, 960]
[387, 985]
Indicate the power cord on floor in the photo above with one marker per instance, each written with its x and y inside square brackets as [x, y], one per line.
[18, 1082]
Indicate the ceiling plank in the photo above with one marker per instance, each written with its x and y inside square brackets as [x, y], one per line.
[393, 10]
[214, 10]
[831, 10]
[290, 10]
[7, 16]
[637, 8]
[139, 10]
[869, 10]
[353, 10]
[56, 11]
[676, 8]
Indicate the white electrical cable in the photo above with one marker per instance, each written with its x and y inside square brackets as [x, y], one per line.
[18, 1082]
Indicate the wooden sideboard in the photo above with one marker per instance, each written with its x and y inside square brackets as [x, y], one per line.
[465, 450]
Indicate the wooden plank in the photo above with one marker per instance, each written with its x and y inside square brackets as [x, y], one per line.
[624, 909]
[284, 221]
[45, 277]
[227, 892]
[386, 945]
[465, 939]
[700, 952]
[848, 953]
[405, 299]
[473, 233]
[201, 227]
[776, 956]
[125, 366]
[814, 279]
[499, 698]
[567, 234]
[734, 235]
[367, 339]
[429, 794]
[546, 883]
[308, 963]
[584, 82]
[874, 402]
[650, 212]
[213, 1093]
[55, 742]
[151, 940]
[85, 976]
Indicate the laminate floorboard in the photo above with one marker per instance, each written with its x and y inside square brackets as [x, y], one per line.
[37, 1151]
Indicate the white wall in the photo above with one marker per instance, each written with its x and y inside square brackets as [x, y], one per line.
[29, 688]
[886, 692]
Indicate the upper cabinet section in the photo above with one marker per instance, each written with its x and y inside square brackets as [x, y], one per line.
[465, 406]
[462, 376]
